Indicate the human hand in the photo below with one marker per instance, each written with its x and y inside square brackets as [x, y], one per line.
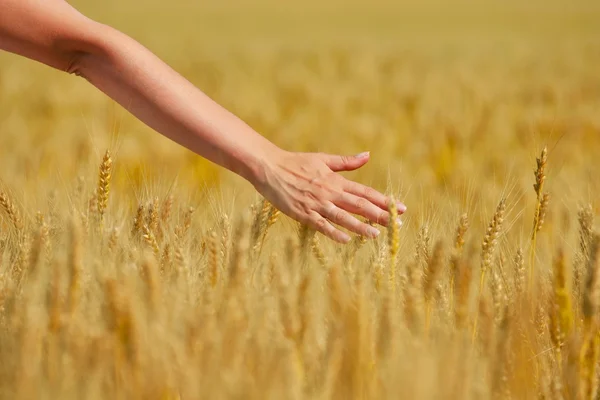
[308, 188]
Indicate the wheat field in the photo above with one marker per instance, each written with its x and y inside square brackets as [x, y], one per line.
[131, 268]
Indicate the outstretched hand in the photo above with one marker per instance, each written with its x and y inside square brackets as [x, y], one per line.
[308, 188]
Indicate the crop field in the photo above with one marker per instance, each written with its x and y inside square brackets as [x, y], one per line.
[131, 268]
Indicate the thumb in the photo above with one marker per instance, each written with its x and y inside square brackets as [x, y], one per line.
[346, 163]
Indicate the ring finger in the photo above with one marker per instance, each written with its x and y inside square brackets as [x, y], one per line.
[345, 219]
[363, 207]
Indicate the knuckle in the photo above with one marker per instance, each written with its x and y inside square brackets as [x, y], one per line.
[369, 192]
[360, 203]
[320, 224]
[340, 216]
[326, 208]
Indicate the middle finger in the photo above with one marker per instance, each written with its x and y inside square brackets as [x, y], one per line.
[363, 207]
[348, 221]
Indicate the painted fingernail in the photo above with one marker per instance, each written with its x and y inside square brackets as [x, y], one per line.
[363, 154]
[373, 232]
[401, 207]
[345, 238]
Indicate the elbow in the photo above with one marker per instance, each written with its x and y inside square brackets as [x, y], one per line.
[80, 54]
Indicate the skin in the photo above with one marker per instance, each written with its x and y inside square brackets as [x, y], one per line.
[305, 186]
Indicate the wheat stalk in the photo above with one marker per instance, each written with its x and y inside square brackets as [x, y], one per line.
[459, 242]
[152, 218]
[429, 278]
[519, 263]
[11, 211]
[103, 189]
[540, 178]
[590, 348]
[490, 241]
[150, 240]
[75, 267]
[393, 242]
[213, 259]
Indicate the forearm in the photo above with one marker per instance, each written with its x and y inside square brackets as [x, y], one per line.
[168, 103]
[54, 33]
[305, 186]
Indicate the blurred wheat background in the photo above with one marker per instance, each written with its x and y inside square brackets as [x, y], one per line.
[131, 268]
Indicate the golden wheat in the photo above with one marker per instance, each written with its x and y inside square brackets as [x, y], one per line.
[116, 282]
[103, 189]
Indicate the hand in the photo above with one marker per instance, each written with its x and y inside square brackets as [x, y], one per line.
[307, 187]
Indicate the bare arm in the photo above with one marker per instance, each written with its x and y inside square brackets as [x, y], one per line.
[302, 185]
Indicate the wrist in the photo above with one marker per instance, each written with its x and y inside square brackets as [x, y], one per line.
[258, 166]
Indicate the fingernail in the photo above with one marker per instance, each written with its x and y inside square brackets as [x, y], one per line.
[401, 207]
[399, 222]
[345, 238]
[363, 154]
[373, 232]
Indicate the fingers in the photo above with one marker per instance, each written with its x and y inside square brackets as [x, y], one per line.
[322, 225]
[345, 163]
[373, 196]
[331, 203]
[363, 207]
[348, 221]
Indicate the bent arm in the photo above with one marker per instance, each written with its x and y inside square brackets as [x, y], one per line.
[54, 33]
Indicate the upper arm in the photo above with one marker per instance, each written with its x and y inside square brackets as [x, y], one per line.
[49, 31]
